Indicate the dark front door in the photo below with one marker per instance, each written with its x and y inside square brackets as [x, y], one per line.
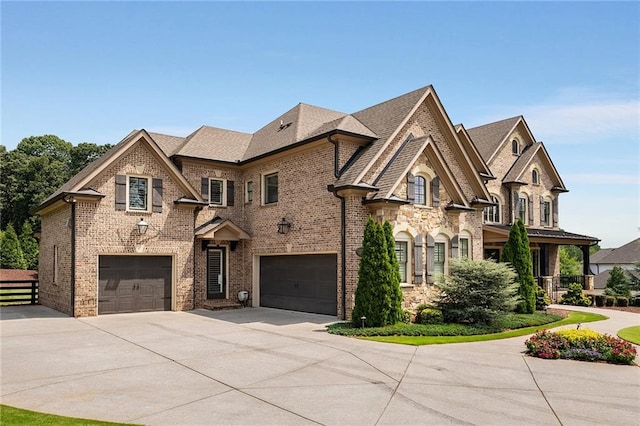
[134, 284]
[216, 273]
[306, 283]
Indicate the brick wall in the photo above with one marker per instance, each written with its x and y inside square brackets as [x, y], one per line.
[56, 236]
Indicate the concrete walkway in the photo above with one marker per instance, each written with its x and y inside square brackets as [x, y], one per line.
[266, 366]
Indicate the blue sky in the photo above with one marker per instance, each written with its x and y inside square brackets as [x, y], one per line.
[92, 72]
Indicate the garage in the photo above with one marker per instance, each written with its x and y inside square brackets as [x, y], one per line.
[134, 284]
[306, 283]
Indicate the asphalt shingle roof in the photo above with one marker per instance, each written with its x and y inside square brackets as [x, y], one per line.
[626, 254]
[212, 143]
[521, 163]
[487, 137]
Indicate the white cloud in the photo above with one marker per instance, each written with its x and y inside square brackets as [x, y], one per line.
[573, 121]
[601, 178]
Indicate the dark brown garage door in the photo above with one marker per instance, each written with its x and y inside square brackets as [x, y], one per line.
[304, 283]
[134, 284]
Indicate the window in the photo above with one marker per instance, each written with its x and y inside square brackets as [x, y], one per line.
[270, 188]
[138, 193]
[535, 179]
[546, 213]
[515, 147]
[216, 192]
[535, 262]
[492, 214]
[439, 258]
[464, 248]
[403, 258]
[250, 191]
[522, 208]
[420, 190]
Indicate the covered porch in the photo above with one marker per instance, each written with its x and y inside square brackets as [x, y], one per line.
[545, 255]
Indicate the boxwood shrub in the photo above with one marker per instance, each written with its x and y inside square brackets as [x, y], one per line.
[610, 301]
[622, 301]
[600, 300]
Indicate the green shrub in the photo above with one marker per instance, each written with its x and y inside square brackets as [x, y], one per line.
[600, 299]
[636, 301]
[431, 316]
[418, 309]
[610, 301]
[406, 316]
[476, 291]
[618, 283]
[622, 301]
[542, 299]
[575, 296]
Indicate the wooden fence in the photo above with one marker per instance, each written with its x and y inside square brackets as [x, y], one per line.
[18, 292]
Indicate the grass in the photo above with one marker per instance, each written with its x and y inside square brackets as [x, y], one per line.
[574, 317]
[11, 416]
[630, 334]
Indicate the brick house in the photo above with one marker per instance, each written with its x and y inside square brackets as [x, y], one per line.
[169, 223]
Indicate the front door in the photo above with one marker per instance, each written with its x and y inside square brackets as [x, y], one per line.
[216, 273]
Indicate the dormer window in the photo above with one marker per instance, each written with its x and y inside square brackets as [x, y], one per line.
[515, 147]
[535, 178]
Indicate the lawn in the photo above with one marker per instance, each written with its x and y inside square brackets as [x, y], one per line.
[630, 334]
[415, 334]
[11, 416]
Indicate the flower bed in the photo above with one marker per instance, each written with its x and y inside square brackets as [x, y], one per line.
[584, 345]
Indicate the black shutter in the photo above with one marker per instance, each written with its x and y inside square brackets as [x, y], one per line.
[417, 259]
[454, 247]
[230, 193]
[204, 188]
[555, 212]
[121, 192]
[542, 211]
[531, 211]
[156, 198]
[435, 192]
[431, 244]
[411, 188]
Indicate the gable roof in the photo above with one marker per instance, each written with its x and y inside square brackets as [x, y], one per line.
[385, 120]
[515, 174]
[77, 185]
[474, 154]
[488, 138]
[626, 254]
[167, 143]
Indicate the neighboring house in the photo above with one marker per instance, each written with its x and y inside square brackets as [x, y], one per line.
[527, 187]
[169, 223]
[602, 261]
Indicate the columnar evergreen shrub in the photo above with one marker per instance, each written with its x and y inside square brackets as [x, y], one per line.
[395, 308]
[11, 256]
[372, 299]
[476, 291]
[575, 296]
[618, 283]
[516, 252]
[29, 246]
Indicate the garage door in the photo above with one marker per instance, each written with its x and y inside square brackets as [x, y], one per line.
[304, 283]
[134, 284]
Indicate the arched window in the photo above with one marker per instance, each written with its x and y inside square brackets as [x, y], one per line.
[535, 179]
[420, 188]
[492, 213]
[515, 147]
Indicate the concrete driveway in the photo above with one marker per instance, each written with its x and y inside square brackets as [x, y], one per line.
[266, 366]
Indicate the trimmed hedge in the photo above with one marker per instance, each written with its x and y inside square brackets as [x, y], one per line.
[600, 300]
[622, 301]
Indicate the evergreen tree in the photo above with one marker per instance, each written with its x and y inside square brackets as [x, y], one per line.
[618, 283]
[29, 246]
[11, 256]
[517, 252]
[395, 295]
[373, 279]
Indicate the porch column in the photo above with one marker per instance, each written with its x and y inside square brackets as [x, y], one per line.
[585, 260]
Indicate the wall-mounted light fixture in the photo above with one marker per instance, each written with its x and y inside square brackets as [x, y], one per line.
[142, 227]
[284, 226]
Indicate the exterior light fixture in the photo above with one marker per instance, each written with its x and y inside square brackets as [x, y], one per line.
[142, 227]
[284, 226]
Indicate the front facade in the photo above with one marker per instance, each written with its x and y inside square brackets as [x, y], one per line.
[170, 223]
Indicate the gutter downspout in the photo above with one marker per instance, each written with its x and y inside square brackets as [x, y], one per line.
[72, 201]
[195, 252]
[343, 227]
